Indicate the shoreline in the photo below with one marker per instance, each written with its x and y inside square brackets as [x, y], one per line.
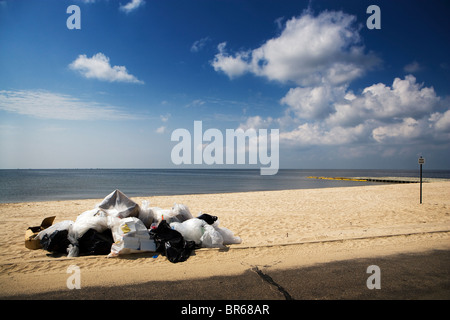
[281, 230]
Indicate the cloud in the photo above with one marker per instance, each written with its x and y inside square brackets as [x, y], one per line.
[98, 67]
[49, 105]
[195, 103]
[408, 128]
[405, 98]
[161, 129]
[256, 122]
[165, 118]
[412, 67]
[441, 121]
[131, 6]
[405, 113]
[231, 66]
[319, 134]
[279, 22]
[312, 102]
[321, 56]
[199, 44]
[311, 50]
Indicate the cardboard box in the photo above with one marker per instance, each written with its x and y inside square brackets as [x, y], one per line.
[30, 234]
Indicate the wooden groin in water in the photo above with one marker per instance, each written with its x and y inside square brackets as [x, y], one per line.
[374, 179]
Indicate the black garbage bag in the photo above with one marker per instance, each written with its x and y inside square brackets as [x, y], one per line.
[209, 219]
[56, 242]
[171, 243]
[95, 243]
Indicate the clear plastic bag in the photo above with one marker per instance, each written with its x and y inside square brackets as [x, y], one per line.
[191, 230]
[181, 212]
[204, 234]
[178, 213]
[211, 238]
[228, 236]
[146, 213]
[59, 226]
[95, 219]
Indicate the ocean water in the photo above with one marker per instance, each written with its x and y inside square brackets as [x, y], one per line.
[67, 184]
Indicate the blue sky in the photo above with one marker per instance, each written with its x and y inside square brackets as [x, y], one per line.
[110, 94]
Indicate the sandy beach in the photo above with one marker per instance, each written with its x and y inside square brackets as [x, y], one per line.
[281, 231]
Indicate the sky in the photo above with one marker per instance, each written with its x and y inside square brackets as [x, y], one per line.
[110, 93]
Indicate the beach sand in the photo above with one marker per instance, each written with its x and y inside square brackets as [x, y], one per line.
[281, 231]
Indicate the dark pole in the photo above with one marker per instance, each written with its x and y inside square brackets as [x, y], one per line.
[420, 183]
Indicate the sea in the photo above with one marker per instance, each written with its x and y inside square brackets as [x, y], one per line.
[30, 185]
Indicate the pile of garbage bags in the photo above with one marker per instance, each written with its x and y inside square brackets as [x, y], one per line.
[119, 226]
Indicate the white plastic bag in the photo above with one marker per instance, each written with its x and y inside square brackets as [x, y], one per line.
[178, 213]
[204, 234]
[211, 238]
[191, 230]
[60, 226]
[130, 236]
[162, 214]
[73, 251]
[119, 205]
[228, 236]
[146, 213]
[181, 212]
[95, 219]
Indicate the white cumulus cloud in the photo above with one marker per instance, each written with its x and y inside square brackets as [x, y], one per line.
[310, 50]
[131, 6]
[98, 67]
[402, 113]
[321, 55]
[231, 66]
[405, 98]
